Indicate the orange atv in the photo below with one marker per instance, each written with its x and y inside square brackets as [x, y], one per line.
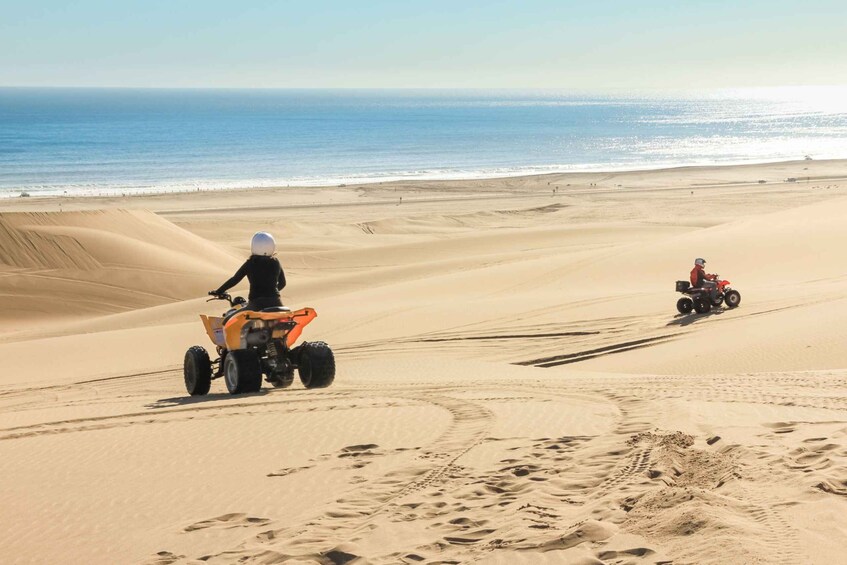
[251, 343]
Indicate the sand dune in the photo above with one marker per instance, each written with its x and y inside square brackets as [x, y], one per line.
[514, 383]
[96, 262]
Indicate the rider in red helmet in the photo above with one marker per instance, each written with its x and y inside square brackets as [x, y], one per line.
[701, 279]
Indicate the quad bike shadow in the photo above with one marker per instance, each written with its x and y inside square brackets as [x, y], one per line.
[253, 343]
[176, 401]
[684, 320]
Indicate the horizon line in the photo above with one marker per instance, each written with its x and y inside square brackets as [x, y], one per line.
[433, 88]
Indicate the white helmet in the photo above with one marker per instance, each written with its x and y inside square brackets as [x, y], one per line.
[263, 244]
[699, 261]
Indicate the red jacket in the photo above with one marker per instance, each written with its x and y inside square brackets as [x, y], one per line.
[698, 275]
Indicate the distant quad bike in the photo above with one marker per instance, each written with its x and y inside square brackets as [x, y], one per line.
[252, 343]
[700, 299]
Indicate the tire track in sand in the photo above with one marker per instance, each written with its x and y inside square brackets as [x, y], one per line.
[353, 516]
[780, 539]
[421, 490]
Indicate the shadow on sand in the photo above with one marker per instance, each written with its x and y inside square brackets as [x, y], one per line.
[189, 400]
[684, 320]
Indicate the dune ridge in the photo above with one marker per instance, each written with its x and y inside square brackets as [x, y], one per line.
[64, 264]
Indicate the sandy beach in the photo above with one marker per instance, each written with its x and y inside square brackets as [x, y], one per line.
[514, 383]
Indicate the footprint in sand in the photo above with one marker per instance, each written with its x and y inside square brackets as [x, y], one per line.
[164, 558]
[626, 553]
[288, 471]
[833, 487]
[227, 521]
[363, 450]
[356, 453]
[781, 427]
[469, 538]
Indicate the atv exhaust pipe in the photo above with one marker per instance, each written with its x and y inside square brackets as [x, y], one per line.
[255, 339]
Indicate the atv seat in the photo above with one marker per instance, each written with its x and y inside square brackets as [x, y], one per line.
[271, 310]
[276, 309]
[697, 290]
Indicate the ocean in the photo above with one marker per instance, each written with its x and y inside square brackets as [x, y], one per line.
[82, 141]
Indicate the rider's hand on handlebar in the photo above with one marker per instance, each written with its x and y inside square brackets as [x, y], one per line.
[214, 293]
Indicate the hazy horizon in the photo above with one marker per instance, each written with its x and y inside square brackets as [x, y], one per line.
[543, 44]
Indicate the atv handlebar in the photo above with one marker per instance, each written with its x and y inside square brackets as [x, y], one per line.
[225, 296]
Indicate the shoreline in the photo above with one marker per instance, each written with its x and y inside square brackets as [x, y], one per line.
[391, 182]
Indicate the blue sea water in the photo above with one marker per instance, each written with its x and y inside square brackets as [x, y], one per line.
[96, 141]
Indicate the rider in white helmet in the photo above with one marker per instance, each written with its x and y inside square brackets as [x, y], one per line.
[263, 271]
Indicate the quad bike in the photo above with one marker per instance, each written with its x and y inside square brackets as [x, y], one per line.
[700, 299]
[251, 343]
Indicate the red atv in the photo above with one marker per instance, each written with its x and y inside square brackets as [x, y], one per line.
[700, 299]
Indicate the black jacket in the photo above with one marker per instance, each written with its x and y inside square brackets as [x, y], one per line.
[265, 275]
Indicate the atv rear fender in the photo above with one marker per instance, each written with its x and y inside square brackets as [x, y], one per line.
[229, 335]
[214, 329]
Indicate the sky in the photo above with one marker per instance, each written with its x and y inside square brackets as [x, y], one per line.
[590, 45]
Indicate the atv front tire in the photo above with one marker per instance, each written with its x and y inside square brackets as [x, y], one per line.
[316, 365]
[197, 370]
[684, 305]
[732, 299]
[703, 305]
[242, 371]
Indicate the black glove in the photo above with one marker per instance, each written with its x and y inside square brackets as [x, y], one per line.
[214, 292]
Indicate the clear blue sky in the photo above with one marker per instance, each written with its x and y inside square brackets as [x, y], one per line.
[500, 43]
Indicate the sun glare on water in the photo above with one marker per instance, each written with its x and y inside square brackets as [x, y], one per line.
[821, 99]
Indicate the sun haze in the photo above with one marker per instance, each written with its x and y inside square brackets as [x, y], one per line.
[435, 44]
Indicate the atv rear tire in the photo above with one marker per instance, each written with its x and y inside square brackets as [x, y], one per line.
[197, 370]
[703, 305]
[316, 365]
[684, 305]
[242, 371]
[732, 299]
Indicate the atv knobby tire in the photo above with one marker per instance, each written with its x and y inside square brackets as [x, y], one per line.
[684, 305]
[732, 299]
[197, 370]
[316, 364]
[703, 305]
[242, 371]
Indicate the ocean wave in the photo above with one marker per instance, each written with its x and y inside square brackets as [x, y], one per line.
[182, 186]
